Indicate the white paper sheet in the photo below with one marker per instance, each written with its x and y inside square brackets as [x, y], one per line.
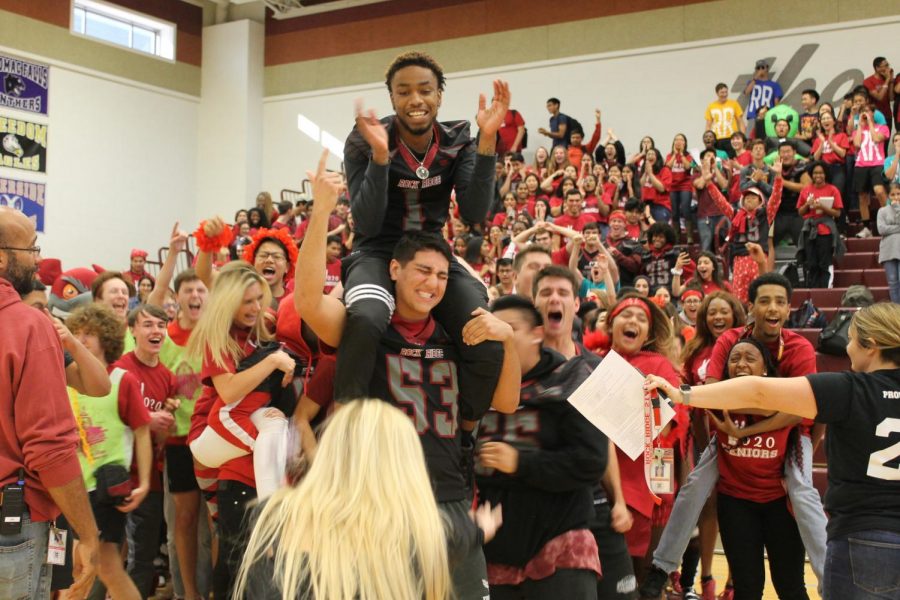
[612, 398]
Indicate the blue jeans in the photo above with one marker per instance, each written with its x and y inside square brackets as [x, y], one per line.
[660, 213]
[805, 500]
[892, 271]
[706, 226]
[24, 572]
[863, 566]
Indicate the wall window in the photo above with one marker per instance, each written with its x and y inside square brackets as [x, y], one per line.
[122, 27]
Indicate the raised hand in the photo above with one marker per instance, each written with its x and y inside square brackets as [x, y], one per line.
[777, 167]
[489, 118]
[373, 131]
[178, 240]
[213, 227]
[326, 186]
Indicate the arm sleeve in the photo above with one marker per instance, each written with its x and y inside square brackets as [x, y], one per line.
[581, 462]
[630, 262]
[368, 185]
[46, 428]
[721, 202]
[834, 393]
[887, 225]
[474, 183]
[716, 366]
[594, 138]
[131, 404]
[774, 199]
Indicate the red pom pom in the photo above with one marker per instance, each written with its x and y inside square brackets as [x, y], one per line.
[213, 244]
[597, 340]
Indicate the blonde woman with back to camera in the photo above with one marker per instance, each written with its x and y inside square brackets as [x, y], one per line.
[363, 524]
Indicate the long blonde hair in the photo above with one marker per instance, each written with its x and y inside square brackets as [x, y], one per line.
[213, 330]
[363, 523]
[879, 326]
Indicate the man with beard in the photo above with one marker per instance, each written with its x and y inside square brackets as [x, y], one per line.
[38, 438]
[401, 171]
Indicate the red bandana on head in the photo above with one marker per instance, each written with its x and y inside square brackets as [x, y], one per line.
[279, 236]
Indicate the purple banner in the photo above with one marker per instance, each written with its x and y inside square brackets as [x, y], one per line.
[25, 196]
[23, 85]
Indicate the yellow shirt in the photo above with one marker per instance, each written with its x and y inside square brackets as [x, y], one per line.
[724, 117]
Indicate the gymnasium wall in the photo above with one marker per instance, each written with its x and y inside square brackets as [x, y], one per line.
[659, 89]
[122, 133]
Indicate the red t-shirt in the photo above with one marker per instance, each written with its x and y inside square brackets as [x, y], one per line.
[508, 131]
[288, 328]
[241, 468]
[576, 223]
[708, 287]
[592, 207]
[752, 468]
[872, 83]
[633, 230]
[634, 483]
[681, 173]
[651, 194]
[696, 366]
[332, 274]
[826, 191]
[155, 385]
[828, 154]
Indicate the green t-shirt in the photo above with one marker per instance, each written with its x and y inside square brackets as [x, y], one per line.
[105, 438]
[187, 378]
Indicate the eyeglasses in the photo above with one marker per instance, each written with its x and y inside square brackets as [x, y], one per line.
[276, 256]
[33, 249]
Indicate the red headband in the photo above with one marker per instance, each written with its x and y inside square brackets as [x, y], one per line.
[691, 293]
[135, 253]
[617, 214]
[628, 303]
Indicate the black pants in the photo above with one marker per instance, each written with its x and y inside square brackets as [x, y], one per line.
[749, 527]
[369, 295]
[234, 533]
[618, 581]
[787, 226]
[818, 255]
[571, 584]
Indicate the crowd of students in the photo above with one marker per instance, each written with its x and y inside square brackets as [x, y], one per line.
[237, 381]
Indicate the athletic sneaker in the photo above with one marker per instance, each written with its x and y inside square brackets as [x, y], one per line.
[865, 232]
[708, 589]
[654, 583]
[727, 594]
[691, 595]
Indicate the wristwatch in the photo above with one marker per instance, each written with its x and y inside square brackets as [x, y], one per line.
[685, 394]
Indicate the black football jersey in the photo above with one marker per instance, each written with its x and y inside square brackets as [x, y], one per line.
[388, 200]
[421, 379]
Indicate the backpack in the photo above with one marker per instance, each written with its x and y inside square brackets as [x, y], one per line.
[573, 125]
[806, 317]
[857, 296]
[794, 273]
[835, 336]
